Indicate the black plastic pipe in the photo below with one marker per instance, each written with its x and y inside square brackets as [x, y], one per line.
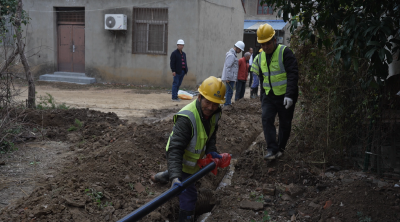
[167, 195]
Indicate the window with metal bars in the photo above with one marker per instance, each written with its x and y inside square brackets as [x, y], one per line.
[150, 30]
[264, 9]
[71, 15]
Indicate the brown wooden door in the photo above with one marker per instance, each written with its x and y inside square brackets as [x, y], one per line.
[65, 48]
[78, 55]
[71, 48]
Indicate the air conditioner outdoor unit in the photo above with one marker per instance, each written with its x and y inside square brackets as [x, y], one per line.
[280, 40]
[115, 21]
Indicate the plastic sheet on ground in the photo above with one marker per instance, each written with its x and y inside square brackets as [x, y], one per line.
[184, 95]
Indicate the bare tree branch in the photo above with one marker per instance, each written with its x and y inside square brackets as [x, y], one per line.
[21, 46]
[8, 62]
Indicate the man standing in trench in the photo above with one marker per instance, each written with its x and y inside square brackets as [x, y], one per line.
[277, 69]
[193, 136]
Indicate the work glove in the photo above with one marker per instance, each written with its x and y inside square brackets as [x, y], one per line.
[215, 155]
[287, 102]
[176, 182]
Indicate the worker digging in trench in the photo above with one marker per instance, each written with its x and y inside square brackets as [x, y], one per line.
[193, 136]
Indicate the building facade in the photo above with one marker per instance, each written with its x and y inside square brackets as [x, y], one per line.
[71, 36]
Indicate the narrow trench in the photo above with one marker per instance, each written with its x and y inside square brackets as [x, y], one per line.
[206, 199]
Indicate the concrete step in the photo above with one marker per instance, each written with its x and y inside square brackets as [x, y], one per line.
[66, 78]
[70, 74]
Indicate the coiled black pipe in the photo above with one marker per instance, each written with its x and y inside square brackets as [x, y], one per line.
[167, 195]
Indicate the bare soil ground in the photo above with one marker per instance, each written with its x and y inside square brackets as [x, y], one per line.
[291, 190]
[101, 171]
[131, 103]
[24, 166]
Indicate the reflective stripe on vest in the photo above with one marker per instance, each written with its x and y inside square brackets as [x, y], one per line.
[275, 72]
[283, 82]
[189, 163]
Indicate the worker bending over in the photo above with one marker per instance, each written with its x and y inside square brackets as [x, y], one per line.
[193, 136]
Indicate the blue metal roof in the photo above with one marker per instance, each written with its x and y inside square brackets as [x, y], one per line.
[248, 23]
[254, 24]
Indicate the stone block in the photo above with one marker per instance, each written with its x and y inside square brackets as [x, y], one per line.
[294, 190]
[268, 189]
[251, 205]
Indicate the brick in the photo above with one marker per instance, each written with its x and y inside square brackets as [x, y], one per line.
[269, 189]
[251, 205]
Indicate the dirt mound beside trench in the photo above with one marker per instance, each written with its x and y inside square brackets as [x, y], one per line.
[62, 118]
[287, 189]
[109, 175]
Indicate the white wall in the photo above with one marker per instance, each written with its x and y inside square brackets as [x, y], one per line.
[208, 27]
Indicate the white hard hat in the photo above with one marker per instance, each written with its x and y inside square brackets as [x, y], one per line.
[180, 42]
[240, 45]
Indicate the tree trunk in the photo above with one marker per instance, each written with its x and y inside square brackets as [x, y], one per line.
[21, 47]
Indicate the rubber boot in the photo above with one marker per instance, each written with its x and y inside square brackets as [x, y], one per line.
[251, 93]
[186, 216]
[161, 177]
[254, 93]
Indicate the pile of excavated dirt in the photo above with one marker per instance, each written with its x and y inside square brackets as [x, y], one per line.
[288, 190]
[109, 174]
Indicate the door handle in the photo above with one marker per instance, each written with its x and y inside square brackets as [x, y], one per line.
[73, 48]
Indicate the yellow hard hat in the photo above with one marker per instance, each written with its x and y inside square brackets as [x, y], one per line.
[265, 33]
[260, 50]
[213, 89]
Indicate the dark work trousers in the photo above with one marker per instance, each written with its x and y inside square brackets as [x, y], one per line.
[240, 89]
[251, 79]
[187, 199]
[271, 105]
[229, 92]
[176, 84]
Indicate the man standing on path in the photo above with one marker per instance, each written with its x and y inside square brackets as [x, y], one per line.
[250, 63]
[229, 73]
[242, 76]
[179, 68]
[277, 69]
[193, 136]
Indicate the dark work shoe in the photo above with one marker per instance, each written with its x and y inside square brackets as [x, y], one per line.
[272, 155]
[161, 177]
[176, 100]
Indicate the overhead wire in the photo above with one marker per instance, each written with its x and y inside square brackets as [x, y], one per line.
[102, 9]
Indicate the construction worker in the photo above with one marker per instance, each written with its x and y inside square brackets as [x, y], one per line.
[254, 86]
[230, 70]
[193, 136]
[277, 69]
